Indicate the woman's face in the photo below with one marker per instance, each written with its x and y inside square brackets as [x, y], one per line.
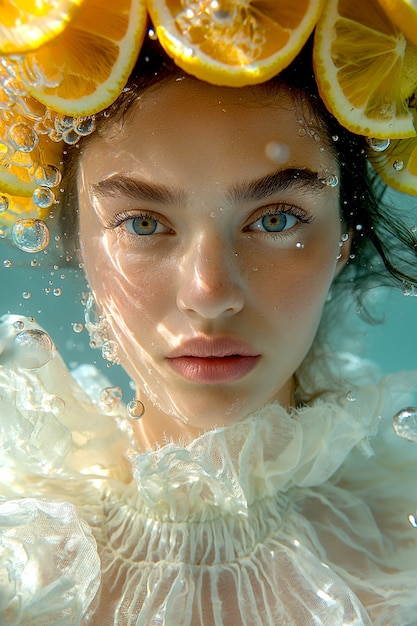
[210, 242]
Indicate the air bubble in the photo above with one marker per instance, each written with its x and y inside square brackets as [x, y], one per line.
[152, 34]
[71, 137]
[23, 137]
[405, 424]
[398, 165]
[359, 227]
[135, 409]
[302, 132]
[19, 325]
[277, 152]
[26, 295]
[111, 396]
[57, 405]
[331, 180]
[77, 327]
[85, 125]
[7, 263]
[109, 351]
[32, 349]
[43, 197]
[351, 396]
[378, 145]
[57, 291]
[299, 245]
[3, 233]
[335, 138]
[344, 237]
[30, 235]
[4, 204]
[48, 176]
[413, 521]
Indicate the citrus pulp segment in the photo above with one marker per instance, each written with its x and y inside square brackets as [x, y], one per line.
[85, 69]
[26, 25]
[404, 14]
[366, 70]
[233, 42]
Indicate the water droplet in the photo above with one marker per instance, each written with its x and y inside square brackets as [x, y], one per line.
[4, 204]
[109, 351]
[254, 268]
[111, 396]
[299, 245]
[405, 424]
[378, 145]
[277, 152]
[331, 180]
[32, 349]
[85, 125]
[302, 132]
[26, 295]
[47, 176]
[398, 165]
[43, 197]
[23, 137]
[7, 263]
[57, 291]
[19, 325]
[30, 235]
[135, 409]
[77, 327]
[413, 521]
[351, 396]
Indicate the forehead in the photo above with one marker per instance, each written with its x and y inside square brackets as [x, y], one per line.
[220, 133]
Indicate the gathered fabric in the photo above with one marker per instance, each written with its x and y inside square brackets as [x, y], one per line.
[285, 518]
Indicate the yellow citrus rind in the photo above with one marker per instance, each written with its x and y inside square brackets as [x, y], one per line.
[90, 63]
[365, 69]
[403, 13]
[232, 43]
[26, 25]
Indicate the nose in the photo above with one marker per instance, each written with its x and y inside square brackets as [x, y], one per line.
[210, 279]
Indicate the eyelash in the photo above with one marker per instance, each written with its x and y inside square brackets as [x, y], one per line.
[283, 209]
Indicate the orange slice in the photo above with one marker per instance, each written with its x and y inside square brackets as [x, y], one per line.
[85, 69]
[233, 42]
[404, 14]
[28, 24]
[18, 208]
[366, 70]
[397, 165]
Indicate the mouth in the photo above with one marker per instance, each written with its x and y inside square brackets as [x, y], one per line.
[212, 361]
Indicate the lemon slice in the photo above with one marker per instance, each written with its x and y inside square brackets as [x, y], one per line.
[28, 24]
[404, 14]
[397, 164]
[366, 70]
[85, 69]
[233, 42]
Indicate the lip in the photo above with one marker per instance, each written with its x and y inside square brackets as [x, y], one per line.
[211, 361]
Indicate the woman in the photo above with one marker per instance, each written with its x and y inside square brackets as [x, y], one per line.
[215, 228]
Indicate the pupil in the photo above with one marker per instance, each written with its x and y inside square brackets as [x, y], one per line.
[144, 226]
[274, 223]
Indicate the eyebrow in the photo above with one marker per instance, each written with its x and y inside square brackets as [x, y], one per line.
[260, 188]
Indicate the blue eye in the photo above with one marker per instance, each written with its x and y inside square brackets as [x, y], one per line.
[145, 225]
[274, 222]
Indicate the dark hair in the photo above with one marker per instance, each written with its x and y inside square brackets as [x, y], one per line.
[383, 248]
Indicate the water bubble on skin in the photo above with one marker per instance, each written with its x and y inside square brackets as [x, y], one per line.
[111, 396]
[7, 263]
[47, 176]
[277, 152]
[413, 521]
[135, 409]
[331, 180]
[344, 237]
[299, 245]
[378, 145]
[398, 165]
[302, 132]
[32, 349]
[351, 396]
[405, 424]
[26, 295]
[19, 325]
[22, 137]
[57, 405]
[4, 204]
[30, 235]
[43, 197]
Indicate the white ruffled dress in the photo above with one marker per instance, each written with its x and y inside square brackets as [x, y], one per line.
[295, 519]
